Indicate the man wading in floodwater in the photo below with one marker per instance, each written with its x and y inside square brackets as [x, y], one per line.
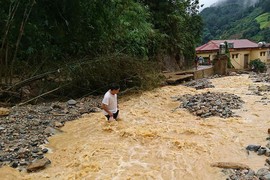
[109, 103]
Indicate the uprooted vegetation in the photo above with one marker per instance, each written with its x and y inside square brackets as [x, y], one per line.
[82, 78]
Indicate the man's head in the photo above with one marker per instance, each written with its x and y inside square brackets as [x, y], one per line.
[114, 88]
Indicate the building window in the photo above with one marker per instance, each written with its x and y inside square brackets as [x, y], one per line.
[262, 53]
[234, 56]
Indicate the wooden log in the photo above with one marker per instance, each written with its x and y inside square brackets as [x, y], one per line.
[230, 165]
[31, 79]
[41, 95]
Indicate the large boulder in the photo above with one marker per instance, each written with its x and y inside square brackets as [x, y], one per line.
[38, 164]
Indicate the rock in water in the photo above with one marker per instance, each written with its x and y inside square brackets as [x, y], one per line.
[72, 102]
[252, 147]
[38, 164]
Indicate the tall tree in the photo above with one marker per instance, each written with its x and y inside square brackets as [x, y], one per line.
[177, 25]
[115, 26]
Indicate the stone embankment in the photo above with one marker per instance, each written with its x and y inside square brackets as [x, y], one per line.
[24, 130]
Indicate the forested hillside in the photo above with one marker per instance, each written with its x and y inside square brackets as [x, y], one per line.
[237, 19]
[84, 45]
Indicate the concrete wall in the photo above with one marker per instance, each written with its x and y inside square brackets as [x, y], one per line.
[220, 65]
[203, 73]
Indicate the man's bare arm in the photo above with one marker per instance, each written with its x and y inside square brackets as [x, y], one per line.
[104, 107]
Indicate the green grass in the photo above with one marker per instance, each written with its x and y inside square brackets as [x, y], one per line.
[264, 20]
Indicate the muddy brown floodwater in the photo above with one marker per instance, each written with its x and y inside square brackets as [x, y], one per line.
[154, 141]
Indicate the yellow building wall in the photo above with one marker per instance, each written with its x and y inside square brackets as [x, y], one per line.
[259, 54]
[239, 62]
[236, 63]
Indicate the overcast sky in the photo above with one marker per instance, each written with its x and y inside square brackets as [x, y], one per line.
[207, 3]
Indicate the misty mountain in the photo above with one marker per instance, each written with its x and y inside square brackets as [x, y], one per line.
[243, 3]
[237, 19]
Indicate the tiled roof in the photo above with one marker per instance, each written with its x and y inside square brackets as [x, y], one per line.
[237, 44]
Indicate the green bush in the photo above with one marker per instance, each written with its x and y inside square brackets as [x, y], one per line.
[257, 66]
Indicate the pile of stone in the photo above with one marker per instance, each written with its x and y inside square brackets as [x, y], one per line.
[25, 129]
[200, 84]
[215, 76]
[261, 90]
[247, 173]
[238, 72]
[211, 104]
[260, 77]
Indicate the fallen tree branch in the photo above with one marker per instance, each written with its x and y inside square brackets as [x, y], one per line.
[34, 78]
[46, 93]
[10, 93]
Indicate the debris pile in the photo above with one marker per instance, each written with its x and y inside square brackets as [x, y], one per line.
[260, 77]
[200, 84]
[247, 173]
[211, 104]
[24, 130]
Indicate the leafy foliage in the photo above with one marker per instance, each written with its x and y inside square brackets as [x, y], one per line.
[264, 20]
[61, 32]
[236, 20]
[257, 65]
[177, 25]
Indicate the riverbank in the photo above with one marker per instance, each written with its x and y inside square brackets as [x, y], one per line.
[25, 129]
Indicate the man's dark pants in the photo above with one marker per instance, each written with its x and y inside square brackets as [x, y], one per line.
[114, 115]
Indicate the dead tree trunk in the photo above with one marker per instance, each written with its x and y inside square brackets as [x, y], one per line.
[26, 14]
[3, 55]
